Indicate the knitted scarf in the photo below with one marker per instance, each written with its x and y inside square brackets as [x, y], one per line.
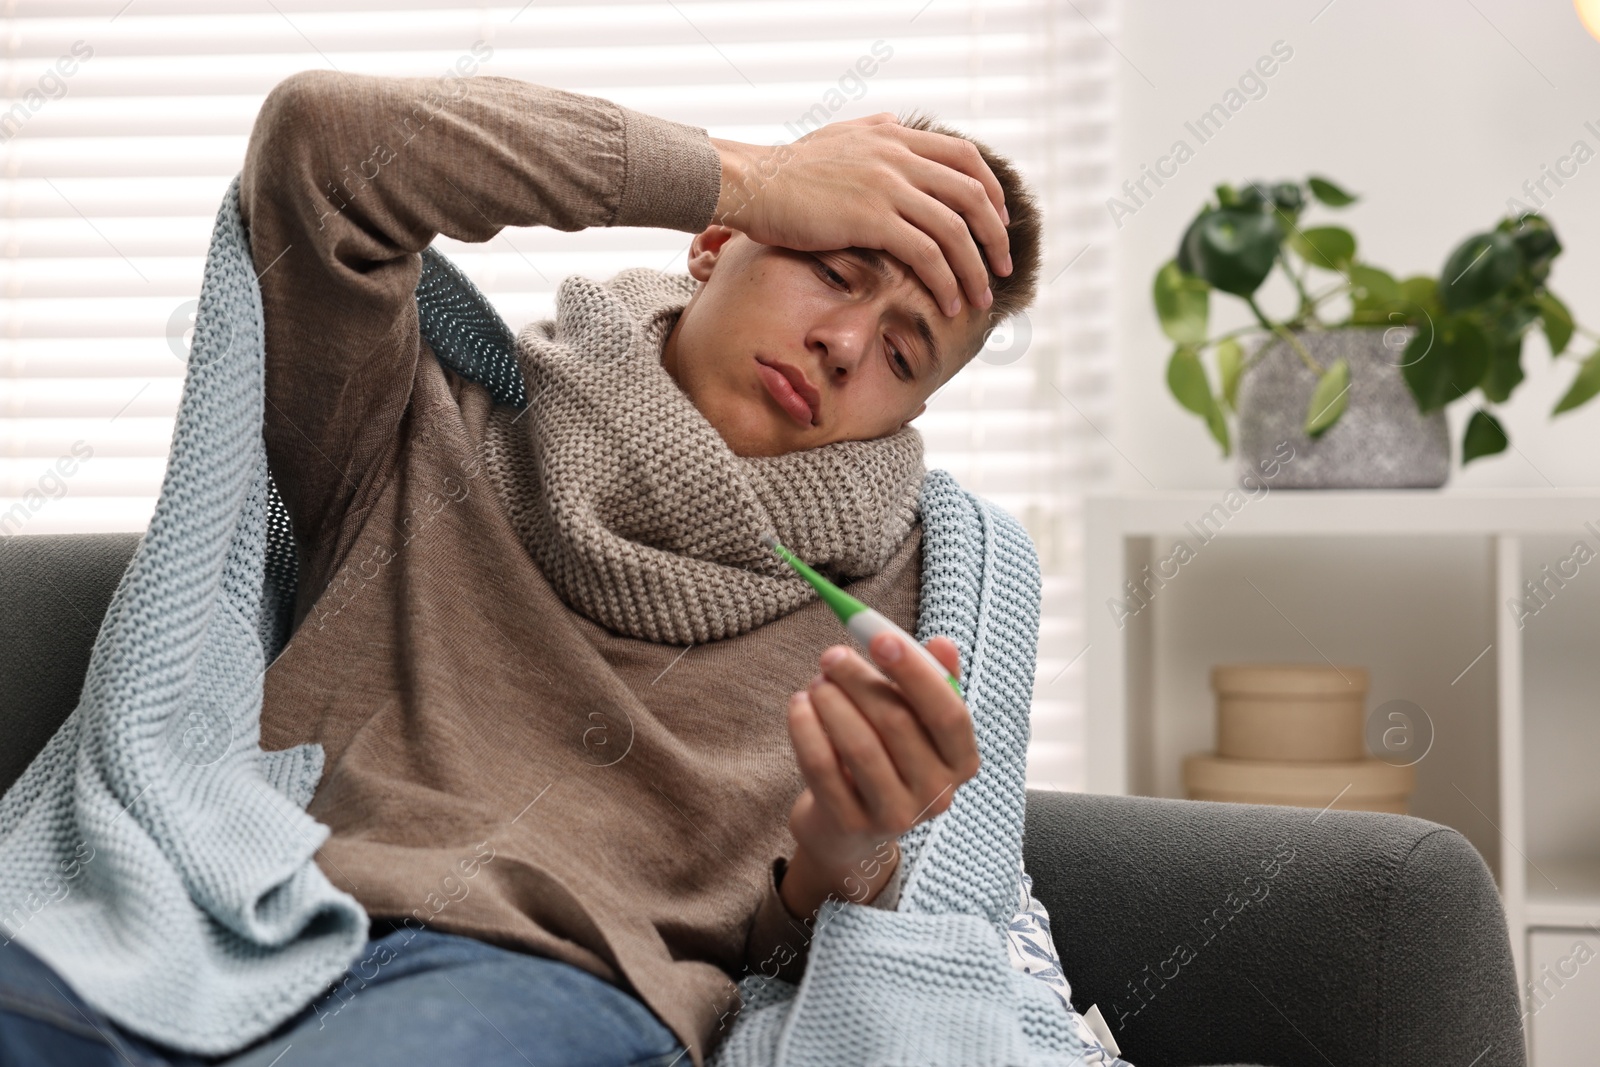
[640, 515]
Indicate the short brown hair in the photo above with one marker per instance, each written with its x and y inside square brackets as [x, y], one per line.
[1015, 291]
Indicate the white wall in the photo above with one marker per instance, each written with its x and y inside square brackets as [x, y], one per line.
[1436, 112]
[1425, 109]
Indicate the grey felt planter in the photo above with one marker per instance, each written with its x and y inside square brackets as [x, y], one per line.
[1380, 442]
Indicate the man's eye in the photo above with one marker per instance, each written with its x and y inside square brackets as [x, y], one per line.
[902, 368]
[832, 275]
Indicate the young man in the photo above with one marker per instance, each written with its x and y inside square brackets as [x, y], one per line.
[574, 726]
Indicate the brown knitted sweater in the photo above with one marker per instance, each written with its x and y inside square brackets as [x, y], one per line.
[498, 765]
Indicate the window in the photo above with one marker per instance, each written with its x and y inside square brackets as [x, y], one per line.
[125, 120]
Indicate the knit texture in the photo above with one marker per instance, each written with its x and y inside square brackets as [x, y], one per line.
[635, 508]
[930, 983]
[152, 854]
[190, 909]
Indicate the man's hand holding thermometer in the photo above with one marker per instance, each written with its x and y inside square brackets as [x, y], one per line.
[882, 749]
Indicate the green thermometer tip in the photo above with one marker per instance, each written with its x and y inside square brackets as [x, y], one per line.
[843, 604]
[862, 622]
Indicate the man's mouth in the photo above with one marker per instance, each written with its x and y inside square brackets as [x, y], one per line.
[789, 387]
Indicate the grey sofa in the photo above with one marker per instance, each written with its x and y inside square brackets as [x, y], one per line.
[1206, 933]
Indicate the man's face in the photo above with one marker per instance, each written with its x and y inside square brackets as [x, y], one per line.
[783, 350]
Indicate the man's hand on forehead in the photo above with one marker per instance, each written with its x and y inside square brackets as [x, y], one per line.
[922, 197]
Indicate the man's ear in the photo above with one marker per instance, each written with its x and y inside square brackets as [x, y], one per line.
[920, 409]
[707, 248]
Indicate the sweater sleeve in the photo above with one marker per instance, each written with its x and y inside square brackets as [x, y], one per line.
[348, 177]
[778, 944]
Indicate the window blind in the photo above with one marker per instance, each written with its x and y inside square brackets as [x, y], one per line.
[123, 121]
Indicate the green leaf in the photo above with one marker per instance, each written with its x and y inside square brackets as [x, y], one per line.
[1536, 240]
[1505, 369]
[1584, 386]
[1484, 437]
[1556, 321]
[1232, 248]
[1423, 291]
[1374, 296]
[1329, 193]
[1288, 198]
[1254, 194]
[1512, 322]
[1371, 288]
[1287, 222]
[1189, 244]
[1218, 425]
[1445, 363]
[1182, 303]
[1478, 270]
[1329, 399]
[1230, 361]
[1328, 247]
[1186, 377]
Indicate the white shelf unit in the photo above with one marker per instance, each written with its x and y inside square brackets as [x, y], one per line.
[1549, 878]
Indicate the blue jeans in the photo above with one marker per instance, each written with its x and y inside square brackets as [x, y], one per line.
[435, 998]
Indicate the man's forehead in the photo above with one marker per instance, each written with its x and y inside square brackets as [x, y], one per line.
[889, 267]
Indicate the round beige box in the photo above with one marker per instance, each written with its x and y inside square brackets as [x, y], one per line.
[1290, 711]
[1362, 785]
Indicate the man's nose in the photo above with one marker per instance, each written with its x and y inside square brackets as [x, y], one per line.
[843, 341]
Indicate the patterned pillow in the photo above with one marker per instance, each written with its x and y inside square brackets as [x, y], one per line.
[1033, 952]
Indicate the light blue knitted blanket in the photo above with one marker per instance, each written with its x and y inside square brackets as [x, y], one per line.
[159, 860]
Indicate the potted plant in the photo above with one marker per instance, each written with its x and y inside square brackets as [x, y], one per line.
[1360, 399]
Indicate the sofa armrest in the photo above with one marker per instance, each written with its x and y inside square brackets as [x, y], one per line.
[1221, 933]
[54, 589]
